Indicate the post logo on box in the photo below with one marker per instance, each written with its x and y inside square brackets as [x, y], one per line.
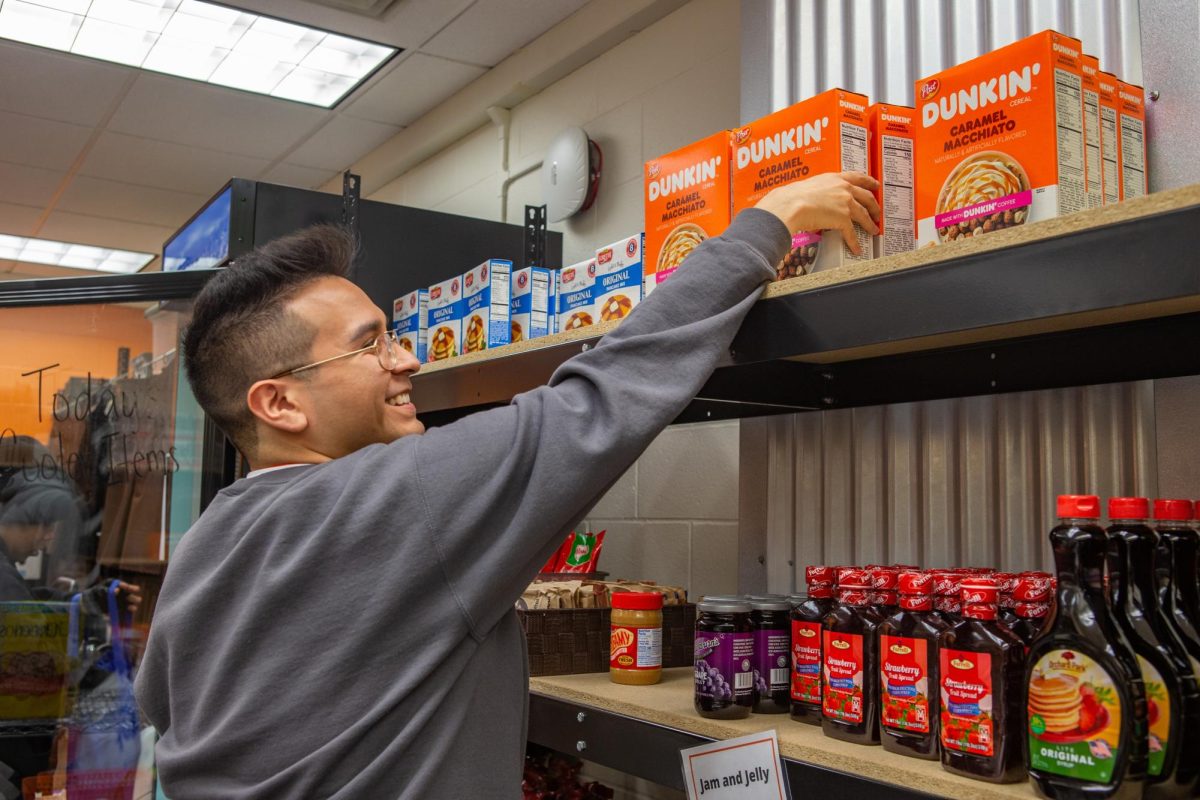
[930, 88]
[653, 168]
[741, 135]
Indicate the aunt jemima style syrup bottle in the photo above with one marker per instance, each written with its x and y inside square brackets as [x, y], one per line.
[1033, 598]
[1173, 697]
[850, 662]
[982, 664]
[1175, 570]
[1086, 700]
[908, 671]
[806, 644]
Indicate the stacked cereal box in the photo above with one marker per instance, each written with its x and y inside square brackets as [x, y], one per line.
[445, 319]
[576, 308]
[686, 201]
[1092, 131]
[1001, 140]
[486, 297]
[891, 132]
[618, 281]
[410, 316]
[532, 303]
[1131, 129]
[826, 133]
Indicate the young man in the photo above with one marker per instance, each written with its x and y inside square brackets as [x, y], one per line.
[340, 623]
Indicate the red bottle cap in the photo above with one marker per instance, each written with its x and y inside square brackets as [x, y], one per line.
[1080, 506]
[916, 602]
[854, 578]
[1007, 581]
[819, 574]
[1032, 610]
[907, 567]
[980, 590]
[1128, 508]
[980, 611]
[884, 579]
[913, 582]
[858, 596]
[947, 605]
[1173, 510]
[820, 591]
[640, 601]
[946, 584]
[888, 599]
[1033, 588]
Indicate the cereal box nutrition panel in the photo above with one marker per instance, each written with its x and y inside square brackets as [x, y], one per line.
[445, 319]
[826, 133]
[618, 287]
[891, 159]
[1131, 105]
[1110, 142]
[1001, 140]
[410, 316]
[1093, 162]
[486, 298]
[686, 201]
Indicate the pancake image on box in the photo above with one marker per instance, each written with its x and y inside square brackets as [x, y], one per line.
[443, 345]
[518, 333]
[615, 307]
[445, 319]
[579, 319]
[474, 339]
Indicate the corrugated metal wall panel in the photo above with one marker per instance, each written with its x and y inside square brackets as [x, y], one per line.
[961, 482]
[882, 47]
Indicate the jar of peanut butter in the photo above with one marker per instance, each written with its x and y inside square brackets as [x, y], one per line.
[635, 646]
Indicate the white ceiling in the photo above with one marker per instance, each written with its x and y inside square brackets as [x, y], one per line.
[107, 155]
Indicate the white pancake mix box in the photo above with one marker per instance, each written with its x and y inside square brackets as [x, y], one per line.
[410, 319]
[445, 319]
[532, 303]
[619, 285]
[575, 285]
[486, 297]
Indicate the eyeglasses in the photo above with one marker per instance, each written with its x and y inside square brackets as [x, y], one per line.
[386, 348]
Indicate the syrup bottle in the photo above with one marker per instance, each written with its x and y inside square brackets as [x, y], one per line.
[1173, 696]
[1033, 599]
[1086, 706]
[982, 665]
[1175, 570]
[807, 617]
[850, 662]
[908, 672]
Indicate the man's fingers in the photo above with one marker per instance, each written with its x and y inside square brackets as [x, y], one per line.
[862, 180]
[867, 199]
[848, 236]
[860, 215]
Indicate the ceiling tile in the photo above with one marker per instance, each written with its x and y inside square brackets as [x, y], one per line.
[147, 162]
[58, 86]
[407, 24]
[40, 142]
[29, 186]
[340, 143]
[296, 175]
[416, 85]
[215, 118]
[63, 226]
[97, 197]
[18, 220]
[490, 32]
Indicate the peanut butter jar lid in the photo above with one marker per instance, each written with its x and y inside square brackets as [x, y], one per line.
[637, 601]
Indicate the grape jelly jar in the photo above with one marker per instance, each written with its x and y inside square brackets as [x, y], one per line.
[724, 659]
[770, 618]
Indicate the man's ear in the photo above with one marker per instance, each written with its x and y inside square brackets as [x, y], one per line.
[275, 402]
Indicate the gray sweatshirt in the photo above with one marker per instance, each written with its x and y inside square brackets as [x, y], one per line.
[347, 629]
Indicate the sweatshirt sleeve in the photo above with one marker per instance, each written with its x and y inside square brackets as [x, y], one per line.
[500, 489]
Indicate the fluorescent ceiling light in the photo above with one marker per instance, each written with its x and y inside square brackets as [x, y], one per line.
[201, 41]
[77, 256]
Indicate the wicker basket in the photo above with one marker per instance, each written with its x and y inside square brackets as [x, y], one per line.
[570, 641]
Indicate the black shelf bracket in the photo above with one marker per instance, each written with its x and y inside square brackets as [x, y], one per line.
[535, 236]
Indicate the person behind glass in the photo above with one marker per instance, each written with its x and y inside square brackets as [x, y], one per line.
[340, 623]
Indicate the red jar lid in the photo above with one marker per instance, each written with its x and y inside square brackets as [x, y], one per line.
[855, 596]
[1174, 510]
[639, 601]
[913, 582]
[1032, 610]
[980, 611]
[1128, 508]
[946, 584]
[1033, 587]
[819, 574]
[820, 591]
[885, 598]
[854, 578]
[884, 579]
[1080, 506]
[916, 602]
[1007, 581]
[979, 590]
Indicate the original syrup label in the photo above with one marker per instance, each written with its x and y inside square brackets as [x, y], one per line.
[1158, 708]
[904, 682]
[806, 661]
[842, 684]
[968, 721]
[635, 648]
[1074, 717]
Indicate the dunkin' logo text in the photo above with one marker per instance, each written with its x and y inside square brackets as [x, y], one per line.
[981, 95]
[685, 178]
[781, 143]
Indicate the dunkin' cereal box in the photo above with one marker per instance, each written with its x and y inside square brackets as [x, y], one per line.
[486, 297]
[410, 317]
[445, 319]
[1000, 140]
[532, 303]
[1110, 140]
[576, 308]
[1131, 129]
[891, 159]
[618, 287]
[687, 201]
[826, 133]
[1093, 163]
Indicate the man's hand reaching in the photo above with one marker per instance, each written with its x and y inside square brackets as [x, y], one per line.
[832, 201]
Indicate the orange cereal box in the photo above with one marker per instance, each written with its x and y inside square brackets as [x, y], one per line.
[1131, 130]
[891, 136]
[1093, 161]
[1110, 142]
[1001, 140]
[687, 201]
[826, 133]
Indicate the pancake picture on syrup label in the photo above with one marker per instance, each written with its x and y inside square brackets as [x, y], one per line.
[1074, 717]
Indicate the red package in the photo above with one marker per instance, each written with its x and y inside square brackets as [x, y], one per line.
[555, 561]
[581, 552]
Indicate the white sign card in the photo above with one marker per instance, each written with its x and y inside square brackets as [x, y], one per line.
[746, 768]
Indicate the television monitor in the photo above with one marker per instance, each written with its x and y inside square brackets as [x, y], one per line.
[204, 241]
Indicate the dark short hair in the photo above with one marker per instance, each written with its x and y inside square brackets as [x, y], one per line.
[241, 331]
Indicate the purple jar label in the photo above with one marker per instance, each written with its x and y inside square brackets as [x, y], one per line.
[772, 648]
[724, 666]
